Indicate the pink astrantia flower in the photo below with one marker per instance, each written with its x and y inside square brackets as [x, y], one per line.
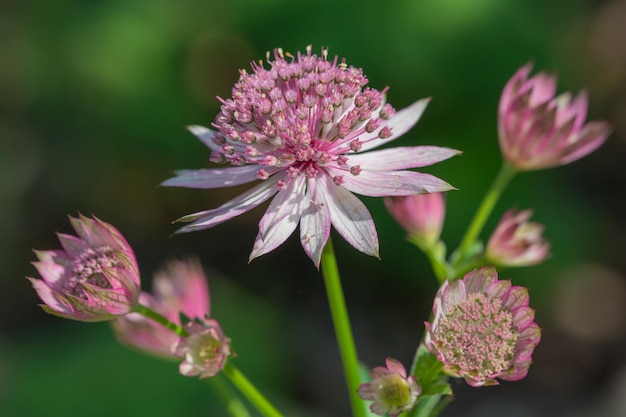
[483, 329]
[94, 278]
[179, 287]
[391, 391]
[517, 241]
[204, 351]
[537, 130]
[421, 215]
[300, 127]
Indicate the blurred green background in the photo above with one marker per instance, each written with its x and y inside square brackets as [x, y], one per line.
[94, 97]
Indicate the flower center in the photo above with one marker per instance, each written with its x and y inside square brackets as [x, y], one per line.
[301, 114]
[477, 337]
[210, 350]
[395, 391]
[89, 267]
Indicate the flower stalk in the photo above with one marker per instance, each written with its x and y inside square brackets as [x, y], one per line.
[504, 177]
[249, 391]
[343, 330]
[236, 377]
[162, 320]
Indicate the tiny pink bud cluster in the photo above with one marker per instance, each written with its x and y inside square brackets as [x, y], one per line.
[391, 391]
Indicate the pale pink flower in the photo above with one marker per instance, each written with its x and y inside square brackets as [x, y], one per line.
[537, 130]
[179, 287]
[94, 278]
[483, 329]
[391, 391]
[517, 241]
[300, 127]
[205, 349]
[421, 215]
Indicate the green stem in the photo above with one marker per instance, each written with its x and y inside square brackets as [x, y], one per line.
[435, 253]
[507, 172]
[233, 405]
[251, 393]
[343, 331]
[231, 402]
[164, 321]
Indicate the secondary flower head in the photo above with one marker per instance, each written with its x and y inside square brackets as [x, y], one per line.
[421, 215]
[516, 241]
[390, 389]
[205, 349]
[179, 287]
[300, 127]
[94, 278]
[537, 130]
[483, 328]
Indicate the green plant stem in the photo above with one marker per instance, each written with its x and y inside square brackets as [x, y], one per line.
[343, 331]
[507, 172]
[231, 402]
[164, 321]
[249, 391]
[234, 375]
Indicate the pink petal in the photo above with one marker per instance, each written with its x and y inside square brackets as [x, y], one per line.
[216, 178]
[518, 296]
[499, 289]
[72, 245]
[402, 157]
[51, 298]
[53, 274]
[233, 208]
[314, 223]
[480, 279]
[350, 217]
[181, 286]
[205, 135]
[512, 88]
[400, 123]
[384, 184]
[523, 316]
[280, 219]
[395, 366]
[590, 138]
[454, 294]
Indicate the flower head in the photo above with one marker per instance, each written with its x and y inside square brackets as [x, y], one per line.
[421, 215]
[205, 349]
[538, 130]
[483, 329]
[179, 287]
[94, 278]
[516, 241]
[300, 127]
[390, 389]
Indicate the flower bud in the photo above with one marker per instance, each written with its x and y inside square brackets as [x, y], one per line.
[94, 278]
[390, 389]
[516, 241]
[421, 215]
[179, 287]
[537, 130]
[205, 349]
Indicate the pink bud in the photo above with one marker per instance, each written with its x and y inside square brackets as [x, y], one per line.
[94, 278]
[517, 242]
[421, 215]
[537, 130]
